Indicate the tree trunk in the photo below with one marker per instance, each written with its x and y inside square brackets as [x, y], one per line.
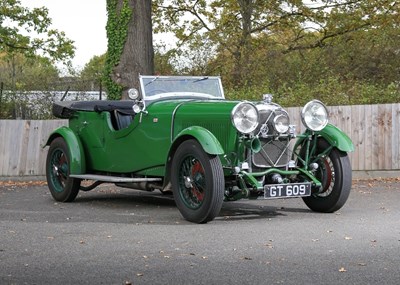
[242, 53]
[138, 55]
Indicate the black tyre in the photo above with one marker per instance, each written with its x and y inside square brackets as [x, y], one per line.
[334, 172]
[62, 187]
[198, 182]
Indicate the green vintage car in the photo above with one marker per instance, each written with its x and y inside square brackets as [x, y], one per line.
[179, 134]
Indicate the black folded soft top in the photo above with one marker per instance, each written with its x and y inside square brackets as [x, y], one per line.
[66, 109]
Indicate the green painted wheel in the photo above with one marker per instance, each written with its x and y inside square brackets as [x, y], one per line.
[62, 187]
[197, 182]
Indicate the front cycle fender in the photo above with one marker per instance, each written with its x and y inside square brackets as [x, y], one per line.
[337, 138]
[207, 140]
[333, 135]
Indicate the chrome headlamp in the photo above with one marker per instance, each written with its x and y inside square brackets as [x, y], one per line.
[245, 117]
[281, 123]
[314, 115]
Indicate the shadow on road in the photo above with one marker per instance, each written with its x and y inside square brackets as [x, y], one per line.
[126, 199]
[156, 204]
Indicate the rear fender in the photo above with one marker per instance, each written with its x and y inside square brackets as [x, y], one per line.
[77, 155]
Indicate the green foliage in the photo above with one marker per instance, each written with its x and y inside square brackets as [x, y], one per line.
[26, 84]
[28, 32]
[342, 52]
[162, 64]
[18, 72]
[331, 91]
[93, 72]
[117, 29]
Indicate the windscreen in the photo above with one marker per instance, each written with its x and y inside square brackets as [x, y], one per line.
[154, 87]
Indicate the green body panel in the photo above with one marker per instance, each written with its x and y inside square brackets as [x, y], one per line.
[75, 148]
[143, 144]
[215, 117]
[143, 147]
[337, 138]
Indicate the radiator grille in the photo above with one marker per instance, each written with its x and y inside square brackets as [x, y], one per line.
[273, 153]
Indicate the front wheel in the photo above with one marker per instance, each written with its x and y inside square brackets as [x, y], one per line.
[62, 187]
[334, 172]
[198, 182]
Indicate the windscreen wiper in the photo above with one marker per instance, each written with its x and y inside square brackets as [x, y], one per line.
[154, 79]
[201, 79]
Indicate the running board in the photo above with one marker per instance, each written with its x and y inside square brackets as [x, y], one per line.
[113, 179]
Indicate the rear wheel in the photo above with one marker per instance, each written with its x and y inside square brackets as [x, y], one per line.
[198, 182]
[62, 187]
[334, 172]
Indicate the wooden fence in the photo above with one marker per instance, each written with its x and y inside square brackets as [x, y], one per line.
[374, 129]
[21, 146]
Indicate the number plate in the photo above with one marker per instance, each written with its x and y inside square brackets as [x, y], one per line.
[287, 190]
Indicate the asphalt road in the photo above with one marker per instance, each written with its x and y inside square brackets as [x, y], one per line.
[119, 236]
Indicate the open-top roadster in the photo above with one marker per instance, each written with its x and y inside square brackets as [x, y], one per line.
[179, 134]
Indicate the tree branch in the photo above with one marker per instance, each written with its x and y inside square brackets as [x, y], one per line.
[320, 42]
[13, 46]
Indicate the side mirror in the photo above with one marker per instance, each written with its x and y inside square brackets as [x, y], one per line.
[133, 93]
[139, 107]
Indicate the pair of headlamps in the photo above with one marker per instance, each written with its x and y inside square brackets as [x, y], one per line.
[245, 117]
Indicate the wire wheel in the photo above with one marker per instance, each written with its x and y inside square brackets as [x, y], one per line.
[334, 172]
[198, 182]
[192, 184]
[62, 187]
